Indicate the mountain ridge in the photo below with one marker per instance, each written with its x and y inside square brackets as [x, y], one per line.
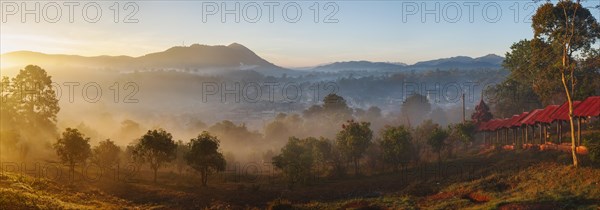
[235, 56]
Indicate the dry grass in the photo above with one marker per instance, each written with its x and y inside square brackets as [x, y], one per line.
[488, 180]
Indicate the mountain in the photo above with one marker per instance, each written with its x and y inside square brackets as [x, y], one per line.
[458, 62]
[461, 62]
[192, 58]
[358, 66]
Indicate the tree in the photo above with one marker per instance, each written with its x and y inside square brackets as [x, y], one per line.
[482, 113]
[204, 156]
[464, 132]
[415, 107]
[106, 154]
[570, 29]
[296, 160]
[36, 102]
[72, 148]
[396, 145]
[421, 136]
[353, 140]
[155, 148]
[437, 141]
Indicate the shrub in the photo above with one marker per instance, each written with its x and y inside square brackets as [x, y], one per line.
[592, 142]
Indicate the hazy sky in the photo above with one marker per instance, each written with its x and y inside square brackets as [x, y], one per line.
[397, 31]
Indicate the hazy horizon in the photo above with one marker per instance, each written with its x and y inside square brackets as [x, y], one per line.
[356, 30]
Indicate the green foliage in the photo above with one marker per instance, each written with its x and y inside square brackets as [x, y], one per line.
[204, 156]
[553, 23]
[155, 148]
[396, 143]
[29, 105]
[106, 154]
[296, 160]
[36, 101]
[464, 132]
[353, 140]
[420, 137]
[72, 148]
[592, 143]
[437, 140]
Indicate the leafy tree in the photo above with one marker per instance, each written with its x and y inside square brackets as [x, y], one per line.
[464, 132]
[204, 156]
[155, 148]
[396, 145]
[72, 148]
[296, 160]
[437, 141]
[229, 132]
[335, 103]
[106, 154]
[415, 107]
[570, 29]
[322, 153]
[36, 102]
[421, 136]
[353, 140]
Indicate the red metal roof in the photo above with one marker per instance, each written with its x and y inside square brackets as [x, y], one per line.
[508, 122]
[545, 115]
[588, 108]
[517, 121]
[562, 112]
[530, 119]
[497, 123]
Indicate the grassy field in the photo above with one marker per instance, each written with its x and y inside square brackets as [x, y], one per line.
[490, 180]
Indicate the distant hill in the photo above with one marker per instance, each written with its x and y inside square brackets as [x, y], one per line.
[192, 58]
[461, 62]
[458, 62]
[358, 66]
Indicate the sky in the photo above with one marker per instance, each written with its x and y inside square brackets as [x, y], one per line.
[287, 33]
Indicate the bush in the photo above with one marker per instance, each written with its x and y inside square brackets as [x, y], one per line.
[592, 142]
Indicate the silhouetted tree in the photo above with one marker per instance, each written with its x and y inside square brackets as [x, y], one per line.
[155, 148]
[296, 160]
[204, 156]
[353, 140]
[572, 29]
[396, 145]
[437, 141]
[106, 154]
[72, 148]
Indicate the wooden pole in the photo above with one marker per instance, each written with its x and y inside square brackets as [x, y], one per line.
[526, 134]
[541, 135]
[578, 131]
[463, 108]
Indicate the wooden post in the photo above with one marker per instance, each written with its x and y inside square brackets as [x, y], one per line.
[526, 134]
[545, 134]
[505, 136]
[558, 131]
[541, 134]
[578, 131]
[463, 108]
